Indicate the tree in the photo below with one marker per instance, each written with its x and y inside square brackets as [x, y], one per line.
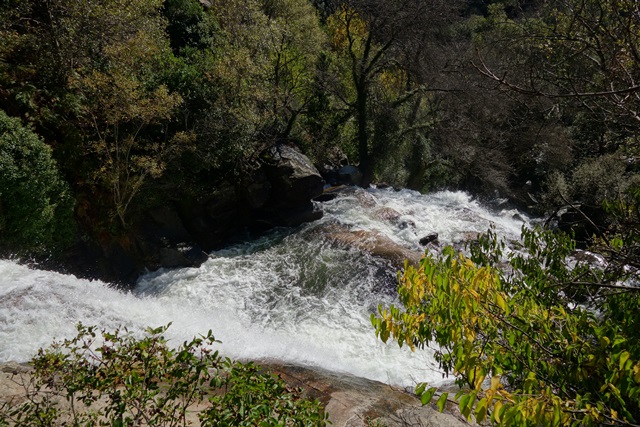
[582, 53]
[120, 111]
[376, 44]
[36, 208]
[295, 43]
[548, 340]
[87, 74]
[263, 69]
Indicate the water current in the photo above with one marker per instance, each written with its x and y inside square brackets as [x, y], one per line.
[292, 295]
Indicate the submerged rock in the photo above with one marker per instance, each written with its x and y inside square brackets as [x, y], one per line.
[388, 214]
[372, 242]
[429, 238]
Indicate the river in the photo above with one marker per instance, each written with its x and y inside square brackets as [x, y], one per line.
[291, 295]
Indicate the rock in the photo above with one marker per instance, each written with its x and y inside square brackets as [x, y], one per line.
[182, 256]
[358, 402]
[194, 254]
[291, 182]
[212, 221]
[587, 257]
[372, 242]
[366, 199]
[406, 224]
[293, 177]
[257, 190]
[388, 214]
[291, 217]
[14, 368]
[350, 174]
[349, 401]
[517, 217]
[470, 236]
[325, 197]
[433, 237]
[167, 225]
[123, 265]
[171, 258]
[165, 242]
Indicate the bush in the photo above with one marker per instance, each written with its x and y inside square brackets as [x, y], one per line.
[36, 209]
[115, 379]
[548, 340]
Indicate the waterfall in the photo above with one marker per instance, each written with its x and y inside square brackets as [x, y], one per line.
[292, 295]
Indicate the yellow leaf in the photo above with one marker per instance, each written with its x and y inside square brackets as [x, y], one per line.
[478, 382]
[495, 382]
[496, 411]
[501, 302]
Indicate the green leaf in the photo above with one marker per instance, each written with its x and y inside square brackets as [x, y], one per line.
[426, 397]
[624, 356]
[481, 410]
[442, 401]
[463, 402]
[501, 302]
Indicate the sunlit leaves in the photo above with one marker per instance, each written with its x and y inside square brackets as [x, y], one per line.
[102, 378]
[523, 350]
[348, 30]
[35, 206]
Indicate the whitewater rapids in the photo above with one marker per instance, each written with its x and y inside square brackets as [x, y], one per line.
[289, 296]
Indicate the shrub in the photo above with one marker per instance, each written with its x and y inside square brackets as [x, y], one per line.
[115, 379]
[36, 209]
[548, 340]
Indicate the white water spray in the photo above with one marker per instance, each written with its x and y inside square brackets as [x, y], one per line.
[289, 296]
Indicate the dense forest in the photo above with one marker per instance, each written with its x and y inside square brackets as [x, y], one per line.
[112, 108]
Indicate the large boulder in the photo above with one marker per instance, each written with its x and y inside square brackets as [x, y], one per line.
[283, 189]
[294, 179]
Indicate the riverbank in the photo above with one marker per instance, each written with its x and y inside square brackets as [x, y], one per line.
[350, 401]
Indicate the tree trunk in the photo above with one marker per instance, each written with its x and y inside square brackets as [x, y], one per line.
[364, 154]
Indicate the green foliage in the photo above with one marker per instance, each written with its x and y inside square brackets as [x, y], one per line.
[591, 182]
[125, 112]
[188, 25]
[36, 209]
[542, 341]
[253, 398]
[116, 379]
[263, 67]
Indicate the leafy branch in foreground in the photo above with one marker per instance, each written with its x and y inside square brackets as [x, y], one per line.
[115, 379]
[547, 340]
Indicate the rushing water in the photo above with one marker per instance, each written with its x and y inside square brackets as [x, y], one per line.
[291, 295]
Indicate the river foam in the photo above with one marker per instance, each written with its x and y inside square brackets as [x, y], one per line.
[289, 296]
